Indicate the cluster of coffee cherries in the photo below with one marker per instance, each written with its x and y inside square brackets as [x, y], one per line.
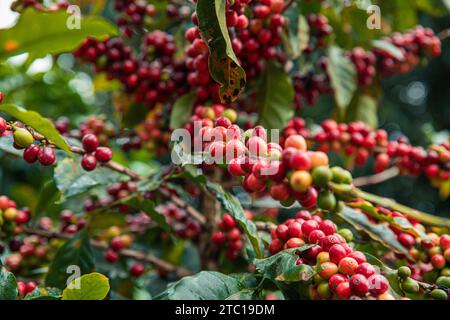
[310, 85]
[319, 31]
[440, 291]
[27, 253]
[20, 5]
[12, 219]
[70, 223]
[414, 45]
[341, 271]
[230, 235]
[26, 287]
[133, 15]
[152, 82]
[116, 191]
[94, 152]
[184, 226]
[117, 243]
[289, 173]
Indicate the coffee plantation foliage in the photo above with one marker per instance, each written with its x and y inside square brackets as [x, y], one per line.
[226, 149]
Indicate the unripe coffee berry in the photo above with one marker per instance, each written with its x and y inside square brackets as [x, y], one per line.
[321, 176]
[327, 269]
[439, 294]
[22, 137]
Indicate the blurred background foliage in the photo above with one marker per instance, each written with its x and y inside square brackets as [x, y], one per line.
[414, 104]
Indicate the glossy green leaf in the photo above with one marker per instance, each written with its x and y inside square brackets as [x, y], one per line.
[39, 33]
[231, 204]
[223, 64]
[275, 98]
[282, 266]
[378, 232]
[38, 123]
[6, 145]
[182, 110]
[92, 286]
[365, 109]
[342, 74]
[75, 252]
[8, 285]
[72, 180]
[206, 285]
[49, 194]
[44, 294]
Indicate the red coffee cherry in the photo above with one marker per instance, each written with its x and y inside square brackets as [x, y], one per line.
[406, 240]
[103, 154]
[348, 266]
[3, 125]
[366, 269]
[46, 156]
[30, 154]
[378, 284]
[90, 142]
[88, 162]
[359, 285]
[335, 280]
[137, 269]
[343, 291]
[337, 253]
[111, 256]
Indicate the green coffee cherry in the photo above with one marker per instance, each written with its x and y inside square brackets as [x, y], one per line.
[288, 202]
[443, 281]
[339, 206]
[323, 289]
[439, 294]
[321, 176]
[445, 272]
[230, 114]
[326, 200]
[410, 286]
[347, 234]
[341, 175]
[22, 137]
[404, 272]
[317, 278]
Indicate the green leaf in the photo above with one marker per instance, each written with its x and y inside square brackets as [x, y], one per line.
[342, 74]
[282, 266]
[8, 285]
[231, 204]
[78, 252]
[303, 33]
[181, 111]
[44, 294]
[400, 223]
[148, 207]
[6, 145]
[38, 123]
[49, 194]
[275, 98]
[206, 285]
[40, 33]
[92, 286]
[223, 64]
[378, 232]
[72, 180]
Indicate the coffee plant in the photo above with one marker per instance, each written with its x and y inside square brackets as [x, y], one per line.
[219, 149]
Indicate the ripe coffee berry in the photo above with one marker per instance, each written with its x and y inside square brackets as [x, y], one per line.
[348, 266]
[90, 142]
[46, 156]
[103, 154]
[137, 269]
[30, 154]
[88, 162]
[359, 285]
[3, 125]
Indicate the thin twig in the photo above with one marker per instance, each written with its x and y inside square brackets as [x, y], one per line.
[265, 226]
[128, 253]
[377, 178]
